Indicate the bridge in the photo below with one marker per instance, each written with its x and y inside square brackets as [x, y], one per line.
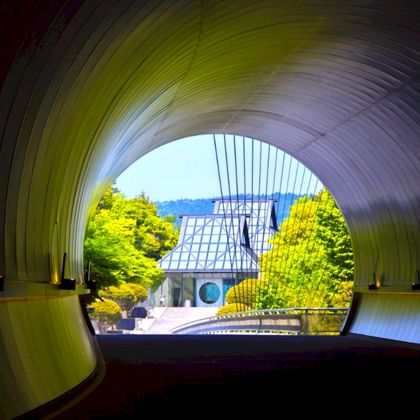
[293, 321]
[89, 86]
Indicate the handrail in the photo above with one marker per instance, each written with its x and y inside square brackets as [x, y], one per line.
[291, 320]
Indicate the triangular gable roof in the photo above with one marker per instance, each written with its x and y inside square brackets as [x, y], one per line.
[261, 219]
[211, 243]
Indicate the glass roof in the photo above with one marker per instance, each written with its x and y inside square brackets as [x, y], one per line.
[230, 239]
[261, 219]
[212, 243]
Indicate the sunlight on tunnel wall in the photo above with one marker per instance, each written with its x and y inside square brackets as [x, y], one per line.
[123, 78]
[36, 367]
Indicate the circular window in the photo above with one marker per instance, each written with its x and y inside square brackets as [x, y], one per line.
[209, 293]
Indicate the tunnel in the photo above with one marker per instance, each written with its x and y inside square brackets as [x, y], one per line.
[90, 86]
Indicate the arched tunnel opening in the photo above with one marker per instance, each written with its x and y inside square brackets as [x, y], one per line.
[253, 230]
[89, 86]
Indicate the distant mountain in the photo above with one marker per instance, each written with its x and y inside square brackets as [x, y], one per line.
[205, 205]
[185, 206]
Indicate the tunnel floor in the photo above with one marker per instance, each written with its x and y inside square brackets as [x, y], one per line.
[192, 376]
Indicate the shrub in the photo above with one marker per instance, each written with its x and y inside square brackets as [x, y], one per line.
[246, 292]
[232, 308]
[140, 292]
[126, 295]
[107, 313]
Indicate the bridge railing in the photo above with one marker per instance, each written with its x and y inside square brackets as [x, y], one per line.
[291, 321]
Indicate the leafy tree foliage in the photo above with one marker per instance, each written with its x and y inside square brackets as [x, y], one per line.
[311, 262]
[233, 307]
[126, 295]
[124, 238]
[245, 292]
[107, 313]
[342, 298]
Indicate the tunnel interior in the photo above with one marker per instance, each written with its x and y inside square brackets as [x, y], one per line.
[88, 87]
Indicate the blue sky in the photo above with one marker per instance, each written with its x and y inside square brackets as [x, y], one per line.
[187, 168]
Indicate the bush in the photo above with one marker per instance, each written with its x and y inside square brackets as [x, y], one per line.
[246, 292]
[107, 313]
[126, 295]
[139, 291]
[232, 308]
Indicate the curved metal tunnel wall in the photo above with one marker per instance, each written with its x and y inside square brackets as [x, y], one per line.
[88, 87]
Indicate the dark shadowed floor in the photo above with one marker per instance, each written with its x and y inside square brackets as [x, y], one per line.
[189, 376]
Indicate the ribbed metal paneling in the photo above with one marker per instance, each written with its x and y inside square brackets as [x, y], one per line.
[386, 315]
[89, 86]
[45, 350]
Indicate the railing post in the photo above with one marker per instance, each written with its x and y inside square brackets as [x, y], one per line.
[306, 322]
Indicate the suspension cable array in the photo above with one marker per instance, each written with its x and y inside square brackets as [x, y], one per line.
[259, 183]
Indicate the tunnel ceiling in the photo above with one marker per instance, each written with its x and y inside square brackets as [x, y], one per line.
[90, 86]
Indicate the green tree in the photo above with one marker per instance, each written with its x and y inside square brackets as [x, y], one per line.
[310, 259]
[107, 313]
[343, 295]
[124, 239]
[126, 295]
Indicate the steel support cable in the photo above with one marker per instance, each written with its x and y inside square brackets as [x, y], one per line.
[224, 208]
[238, 210]
[277, 210]
[299, 221]
[314, 242]
[297, 248]
[278, 255]
[287, 192]
[272, 210]
[273, 191]
[252, 227]
[264, 227]
[274, 252]
[231, 209]
[247, 272]
[305, 249]
[266, 197]
[336, 291]
[259, 193]
[247, 213]
[323, 269]
[286, 255]
[320, 286]
[256, 228]
[311, 243]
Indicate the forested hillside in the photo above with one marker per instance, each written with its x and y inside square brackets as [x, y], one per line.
[205, 205]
